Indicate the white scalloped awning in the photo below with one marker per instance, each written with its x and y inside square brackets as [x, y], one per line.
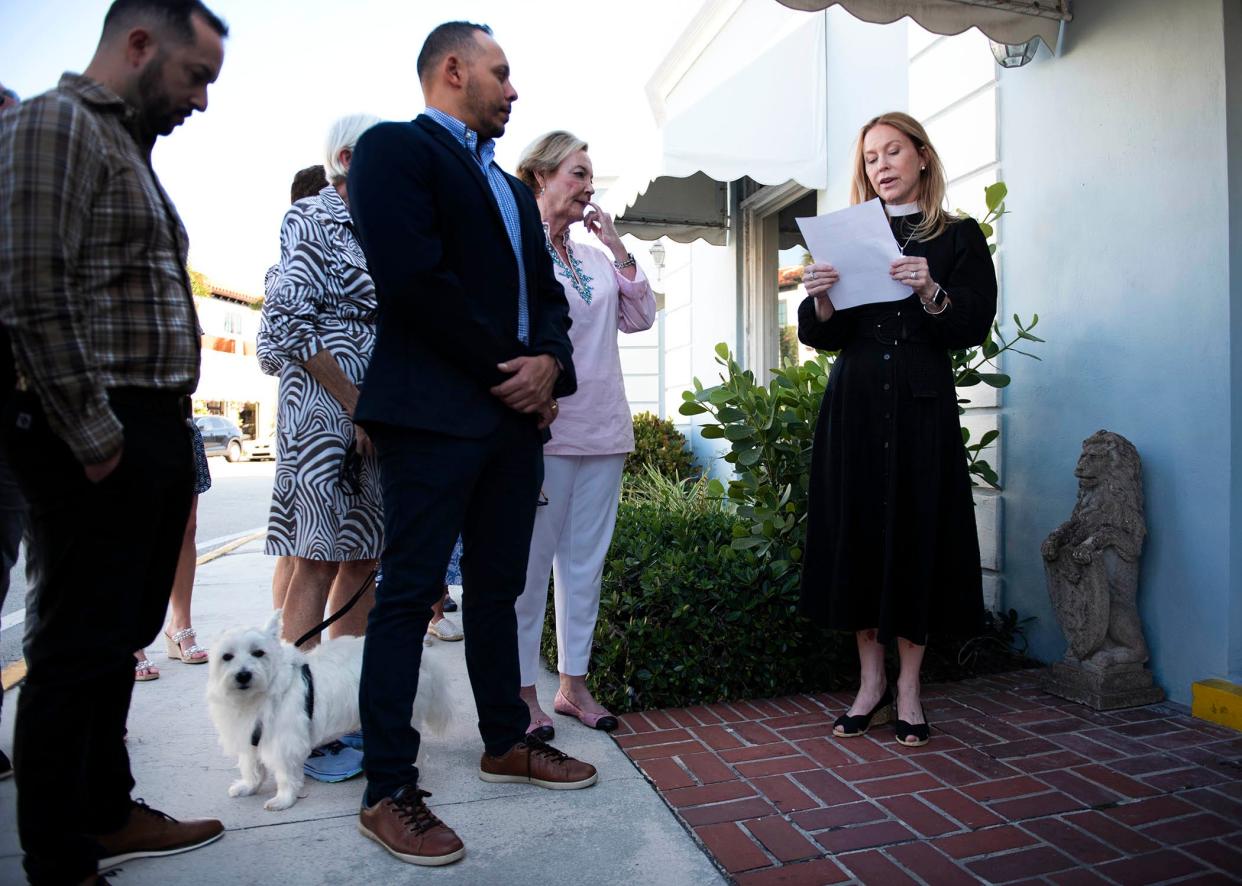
[1004, 21]
[758, 122]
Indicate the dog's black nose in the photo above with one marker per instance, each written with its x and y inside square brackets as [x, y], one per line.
[243, 677]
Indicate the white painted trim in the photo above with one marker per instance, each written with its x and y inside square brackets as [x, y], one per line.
[760, 345]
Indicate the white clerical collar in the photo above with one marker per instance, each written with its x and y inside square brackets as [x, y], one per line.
[897, 209]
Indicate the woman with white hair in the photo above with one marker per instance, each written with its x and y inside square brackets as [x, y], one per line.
[321, 322]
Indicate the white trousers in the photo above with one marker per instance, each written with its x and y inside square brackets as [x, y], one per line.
[571, 539]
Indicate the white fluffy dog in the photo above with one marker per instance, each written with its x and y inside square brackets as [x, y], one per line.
[258, 695]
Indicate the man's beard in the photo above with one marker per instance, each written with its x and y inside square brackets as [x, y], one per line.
[479, 110]
[155, 108]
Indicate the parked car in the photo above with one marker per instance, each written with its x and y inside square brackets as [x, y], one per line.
[220, 436]
[261, 448]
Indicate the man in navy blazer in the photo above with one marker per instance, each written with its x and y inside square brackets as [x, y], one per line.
[472, 347]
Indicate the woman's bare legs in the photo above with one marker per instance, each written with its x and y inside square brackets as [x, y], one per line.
[575, 689]
[538, 716]
[909, 703]
[183, 586]
[872, 682]
[280, 580]
[349, 577]
[307, 596]
[437, 610]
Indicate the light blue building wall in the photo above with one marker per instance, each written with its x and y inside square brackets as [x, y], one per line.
[1122, 237]
[1233, 110]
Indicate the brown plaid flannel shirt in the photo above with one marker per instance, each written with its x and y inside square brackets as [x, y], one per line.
[93, 283]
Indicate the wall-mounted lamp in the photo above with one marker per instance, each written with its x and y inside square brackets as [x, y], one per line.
[657, 257]
[1014, 55]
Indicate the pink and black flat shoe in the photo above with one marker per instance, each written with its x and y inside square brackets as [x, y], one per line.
[605, 722]
[541, 727]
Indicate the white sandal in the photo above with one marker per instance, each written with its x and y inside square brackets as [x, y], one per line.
[151, 672]
[194, 655]
[445, 629]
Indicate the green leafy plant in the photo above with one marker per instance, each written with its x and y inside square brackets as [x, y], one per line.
[969, 369]
[659, 445]
[685, 618]
[994, 199]
[651, 487]
[770, 430]
[198, 282]
[973, 366]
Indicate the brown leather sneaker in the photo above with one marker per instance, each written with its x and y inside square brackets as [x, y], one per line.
[410, 831]
[150, 833]
[536, 762]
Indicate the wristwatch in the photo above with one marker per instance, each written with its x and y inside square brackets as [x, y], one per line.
[940, 301]
[628, 262]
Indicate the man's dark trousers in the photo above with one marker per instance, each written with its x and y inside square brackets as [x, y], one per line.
[435, 485]
[107, 554]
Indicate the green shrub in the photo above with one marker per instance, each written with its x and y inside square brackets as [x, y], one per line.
[686, 619]
[658, 444]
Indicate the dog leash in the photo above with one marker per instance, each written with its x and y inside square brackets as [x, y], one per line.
[336, 616]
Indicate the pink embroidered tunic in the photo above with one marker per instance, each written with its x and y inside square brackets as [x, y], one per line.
[596, 420]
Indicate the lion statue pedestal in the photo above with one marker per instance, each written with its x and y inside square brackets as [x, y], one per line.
[1092, 565]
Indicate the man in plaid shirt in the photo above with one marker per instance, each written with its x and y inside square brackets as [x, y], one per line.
[96, 299]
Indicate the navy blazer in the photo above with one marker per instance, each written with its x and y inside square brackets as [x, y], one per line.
[446, 282]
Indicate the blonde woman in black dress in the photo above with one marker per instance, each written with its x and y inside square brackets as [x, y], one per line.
[892, 553]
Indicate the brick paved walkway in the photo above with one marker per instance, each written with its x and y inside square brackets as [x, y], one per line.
[1015, 786]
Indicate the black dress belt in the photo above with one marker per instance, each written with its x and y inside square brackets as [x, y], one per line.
[151, 400]
[891, 327]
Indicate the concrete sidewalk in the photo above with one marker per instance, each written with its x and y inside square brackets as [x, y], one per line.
[618, 830]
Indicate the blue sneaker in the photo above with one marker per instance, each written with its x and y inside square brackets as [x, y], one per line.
[353, 739]
[333, 762]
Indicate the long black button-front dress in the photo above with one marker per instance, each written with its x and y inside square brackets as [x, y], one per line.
[891, 540]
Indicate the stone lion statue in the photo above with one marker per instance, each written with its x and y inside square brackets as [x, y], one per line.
[1092, 560]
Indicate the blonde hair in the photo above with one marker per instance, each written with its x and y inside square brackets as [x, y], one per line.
[343, 135]
[545, 155]
[931, 183]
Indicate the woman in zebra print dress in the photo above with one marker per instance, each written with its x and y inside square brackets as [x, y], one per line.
[321, 319]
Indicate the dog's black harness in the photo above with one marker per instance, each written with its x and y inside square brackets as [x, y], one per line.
[310, 691]
[310, 705]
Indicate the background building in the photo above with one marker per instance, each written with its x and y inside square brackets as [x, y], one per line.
[230, 383]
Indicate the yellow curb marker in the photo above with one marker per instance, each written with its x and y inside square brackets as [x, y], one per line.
[1217, 701]
[230, 547]
[16, 672]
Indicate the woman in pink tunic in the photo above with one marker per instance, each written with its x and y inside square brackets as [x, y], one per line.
[593, 432]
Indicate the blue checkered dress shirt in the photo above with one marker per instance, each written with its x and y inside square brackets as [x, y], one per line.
[484, 154]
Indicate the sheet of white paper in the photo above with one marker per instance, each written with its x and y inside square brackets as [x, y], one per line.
[859, 243]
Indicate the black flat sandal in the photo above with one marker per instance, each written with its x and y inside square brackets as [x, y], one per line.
[852, 727]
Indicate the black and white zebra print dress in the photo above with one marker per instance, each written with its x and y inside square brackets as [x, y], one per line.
[322, 298]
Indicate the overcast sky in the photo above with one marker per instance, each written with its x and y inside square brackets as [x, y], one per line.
[293, 66]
